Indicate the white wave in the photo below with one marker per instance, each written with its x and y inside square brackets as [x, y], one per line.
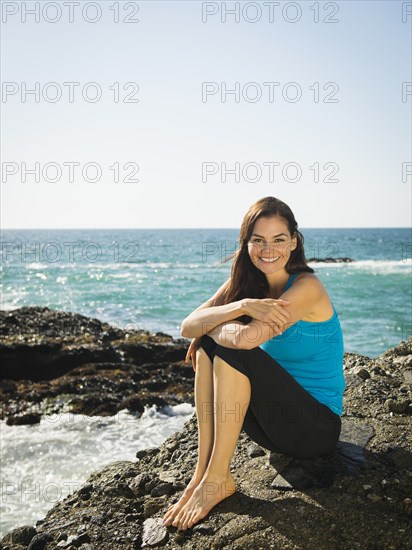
[375, 266]
[37, 460]
[37, 265]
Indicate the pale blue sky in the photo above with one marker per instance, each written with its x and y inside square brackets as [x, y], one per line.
[170, 132]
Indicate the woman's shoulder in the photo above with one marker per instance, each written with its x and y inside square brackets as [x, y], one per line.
[306, 275]
[324, 308]
[311, 279]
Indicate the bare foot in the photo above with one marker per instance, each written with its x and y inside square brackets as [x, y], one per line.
[173, 509]
[205, 496]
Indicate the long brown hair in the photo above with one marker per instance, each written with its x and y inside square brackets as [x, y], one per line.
[246, 280]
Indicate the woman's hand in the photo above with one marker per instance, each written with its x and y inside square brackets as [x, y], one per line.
[191, 352]
[268, 310]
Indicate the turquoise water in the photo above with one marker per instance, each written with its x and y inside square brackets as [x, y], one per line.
[152, 278]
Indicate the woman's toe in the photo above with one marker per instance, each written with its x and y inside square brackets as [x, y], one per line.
[176, 521]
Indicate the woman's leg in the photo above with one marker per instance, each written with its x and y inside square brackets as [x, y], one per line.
[232, 391]
[205, 425]
[232, 397]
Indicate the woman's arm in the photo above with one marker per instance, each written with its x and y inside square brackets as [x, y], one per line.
[208, 315]
[205, 318]
[228, 334]
[303, 296]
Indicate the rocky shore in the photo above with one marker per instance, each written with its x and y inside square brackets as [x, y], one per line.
[359, 496]
[65, 362]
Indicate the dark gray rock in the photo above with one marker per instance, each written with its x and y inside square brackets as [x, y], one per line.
[331, 260]
[255, 450]
[165, 488]
[40, 541]
[402, 458]
[23, 419]
[150, 451]
[20, 535]
[49, 359]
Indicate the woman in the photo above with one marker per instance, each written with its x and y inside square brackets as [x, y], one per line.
[272, 308]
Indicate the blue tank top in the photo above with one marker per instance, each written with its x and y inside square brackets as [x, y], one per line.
[312, 352]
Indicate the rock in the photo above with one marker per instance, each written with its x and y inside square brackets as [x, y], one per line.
[352, 380]
[53, 358]
[150, 451]
[401, 458]
[133, 403]
[397, 406]
[139, 483]
[404, 361]
[85, 492]
[331, 260]
[151, 506]
[118, 488]
[407, 374]
[162, 489]
[8, 386]
[362, 373]
[39, 541]
[22, 419]
[354, 496]
[255, 450]
[154, 533]
[352, 442]
[41, 344]
[20, 535]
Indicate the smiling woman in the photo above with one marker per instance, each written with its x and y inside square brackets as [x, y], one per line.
[280, 383]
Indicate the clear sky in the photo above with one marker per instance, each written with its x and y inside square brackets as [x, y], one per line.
[319, 120]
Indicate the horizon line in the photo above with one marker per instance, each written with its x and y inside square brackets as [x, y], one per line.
[180, 228]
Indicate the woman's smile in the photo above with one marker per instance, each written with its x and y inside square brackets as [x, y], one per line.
[269, 260]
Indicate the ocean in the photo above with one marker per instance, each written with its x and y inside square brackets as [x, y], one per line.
[152, 279]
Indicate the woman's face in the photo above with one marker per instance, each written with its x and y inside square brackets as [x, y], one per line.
[270, 240]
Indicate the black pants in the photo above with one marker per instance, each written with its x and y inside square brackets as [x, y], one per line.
[282, 416]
